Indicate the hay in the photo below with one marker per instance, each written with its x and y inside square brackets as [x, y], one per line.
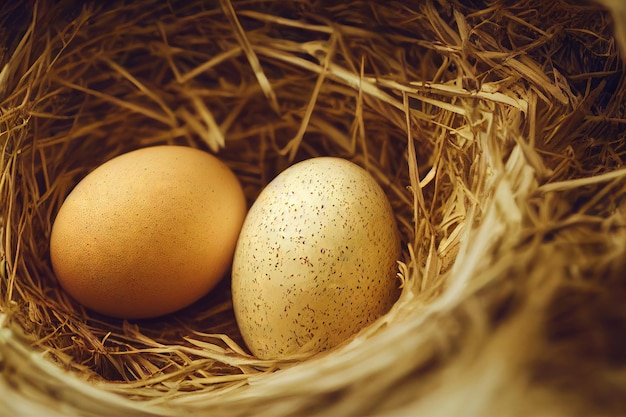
[497, 131]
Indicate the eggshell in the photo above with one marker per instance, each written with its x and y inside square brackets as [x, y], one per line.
[316, 259]
[148, 232]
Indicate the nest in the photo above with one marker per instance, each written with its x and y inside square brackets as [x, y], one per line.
[497, 130]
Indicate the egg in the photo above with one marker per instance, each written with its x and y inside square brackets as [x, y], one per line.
[316, 259]
[148, 232]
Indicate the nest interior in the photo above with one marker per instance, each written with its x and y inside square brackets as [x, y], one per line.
[497, 130]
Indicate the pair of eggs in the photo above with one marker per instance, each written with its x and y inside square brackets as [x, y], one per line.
[154, 230]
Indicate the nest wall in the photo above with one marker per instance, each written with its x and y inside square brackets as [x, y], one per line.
[497, 131]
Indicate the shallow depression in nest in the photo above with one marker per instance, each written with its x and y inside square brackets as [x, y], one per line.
[183, 77]
[458, 126]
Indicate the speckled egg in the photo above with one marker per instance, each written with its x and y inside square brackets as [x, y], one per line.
[316, 259]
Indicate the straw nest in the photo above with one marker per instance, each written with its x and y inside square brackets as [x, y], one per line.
[498, 131]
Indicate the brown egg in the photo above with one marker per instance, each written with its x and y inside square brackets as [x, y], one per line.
[148, 232]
